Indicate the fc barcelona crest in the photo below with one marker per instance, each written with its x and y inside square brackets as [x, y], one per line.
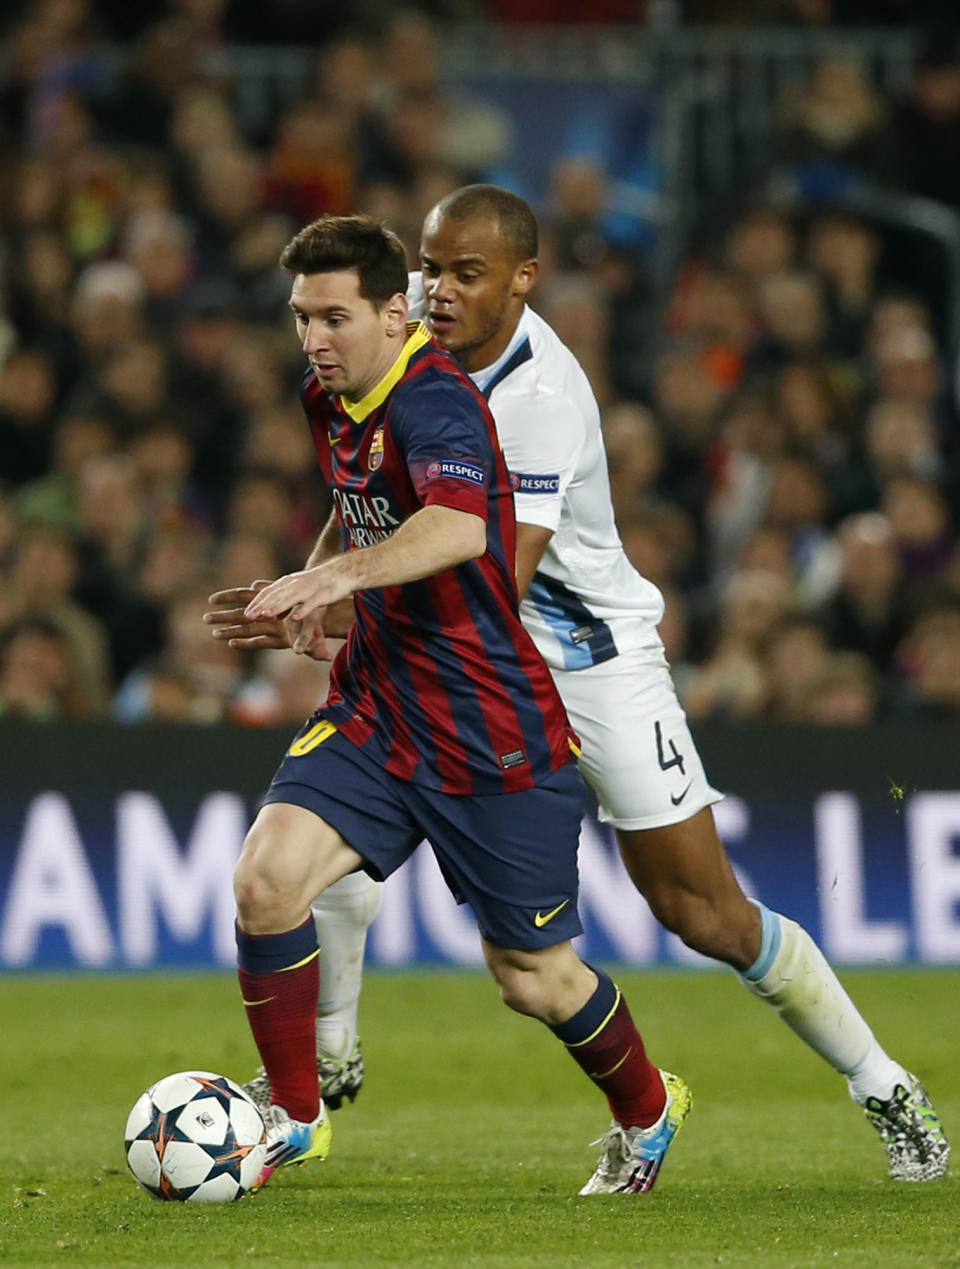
[375, 454]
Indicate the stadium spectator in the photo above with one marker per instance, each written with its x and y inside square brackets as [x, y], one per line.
[193, 679]
[920, 517]
[926, 127]
[423, 119]
[35, 672]
[798, 505]
[845, 694]
[634, 455]
[576, 308]
[930, 661]
[587, 235]
[659, 540]
[28, 390]
[732, 681]
[41, 583]
[812, 411]
[740, 468]
[282, 690]
[834, 128]
[796, 660]
[311, 166]
[51, 498]
[164, 62]
[248, 552]
[846, 253]
[761, 243]
[792, 308]
[869, 612]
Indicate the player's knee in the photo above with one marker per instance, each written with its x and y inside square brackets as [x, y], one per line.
[262, 900]
[250, 891]
[518, 989]
[526, 985]
[547, 988]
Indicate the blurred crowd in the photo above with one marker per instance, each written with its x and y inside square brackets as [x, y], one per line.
[784, 449]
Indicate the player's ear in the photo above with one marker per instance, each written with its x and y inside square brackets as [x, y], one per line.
[395, 313]
[525, 276]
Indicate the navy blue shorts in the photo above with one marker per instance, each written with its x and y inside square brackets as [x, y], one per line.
[511, 856]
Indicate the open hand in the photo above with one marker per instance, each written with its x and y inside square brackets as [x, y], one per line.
[230, 623]
[298, 595]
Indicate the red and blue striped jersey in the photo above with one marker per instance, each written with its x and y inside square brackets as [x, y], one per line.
[438, 680]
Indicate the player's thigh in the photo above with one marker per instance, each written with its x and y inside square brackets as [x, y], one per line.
[291, 850]
[638, 754]
[326, 774]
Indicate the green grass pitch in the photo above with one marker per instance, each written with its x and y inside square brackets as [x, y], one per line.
[469, 1141]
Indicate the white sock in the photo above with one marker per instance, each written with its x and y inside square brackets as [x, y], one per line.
[793, 977]
[342, 915]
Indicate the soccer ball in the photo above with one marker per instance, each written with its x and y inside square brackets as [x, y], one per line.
[195, 1137]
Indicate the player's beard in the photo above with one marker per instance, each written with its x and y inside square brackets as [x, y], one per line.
[463, 345]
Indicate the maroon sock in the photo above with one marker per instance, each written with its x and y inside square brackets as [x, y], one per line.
[602, 1039]
[280, 985]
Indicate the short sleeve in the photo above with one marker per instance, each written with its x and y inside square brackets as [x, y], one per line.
[542, 439]
[440, 428]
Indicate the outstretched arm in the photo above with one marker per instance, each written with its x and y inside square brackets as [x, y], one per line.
[434, 538]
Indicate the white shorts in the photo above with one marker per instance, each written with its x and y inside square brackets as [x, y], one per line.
[638, 755]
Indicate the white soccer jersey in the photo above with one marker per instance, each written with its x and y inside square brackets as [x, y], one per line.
[586, 602]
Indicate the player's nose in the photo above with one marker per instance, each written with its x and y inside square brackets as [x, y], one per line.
[314, 339]
[439, 289]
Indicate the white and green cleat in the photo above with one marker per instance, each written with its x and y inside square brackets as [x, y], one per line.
[340, 1079]
[910, 1129]
[631, 1158]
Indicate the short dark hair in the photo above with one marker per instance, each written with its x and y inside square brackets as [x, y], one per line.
[513, 216]
[334, 244]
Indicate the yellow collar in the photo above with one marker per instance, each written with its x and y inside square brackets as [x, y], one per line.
[359, 410]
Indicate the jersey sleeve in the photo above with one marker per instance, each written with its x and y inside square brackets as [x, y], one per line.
[542, 440]
[445, 439]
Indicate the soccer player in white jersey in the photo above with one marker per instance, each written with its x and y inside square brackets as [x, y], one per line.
[594, 620]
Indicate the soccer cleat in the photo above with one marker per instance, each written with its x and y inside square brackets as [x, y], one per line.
[341, 1077]
[292, 1141]
[632, 1157]
[910, 1129]
[338, 1078]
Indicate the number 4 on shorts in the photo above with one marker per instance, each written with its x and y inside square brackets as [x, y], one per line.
[665, 762]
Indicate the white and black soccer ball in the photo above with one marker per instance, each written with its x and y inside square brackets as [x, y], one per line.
[195, 1137]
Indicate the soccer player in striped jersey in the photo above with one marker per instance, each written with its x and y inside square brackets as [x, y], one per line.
[594, 619]
[442, 720]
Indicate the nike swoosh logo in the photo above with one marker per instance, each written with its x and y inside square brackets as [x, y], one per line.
[251, 1003]
[677, 800]
[335, 440]
[540, 920]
